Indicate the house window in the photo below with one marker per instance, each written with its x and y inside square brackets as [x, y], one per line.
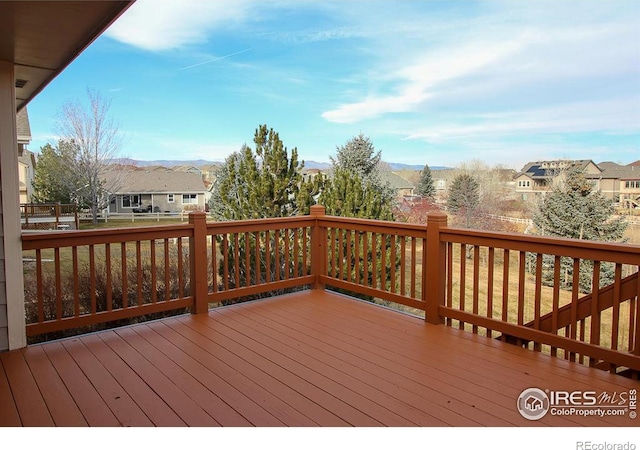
[131, 201]
[189, 199]
[528, 183]
[170, 198]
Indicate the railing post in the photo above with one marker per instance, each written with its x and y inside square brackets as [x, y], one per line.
[318, 247]
[434, 270]
[198, 256]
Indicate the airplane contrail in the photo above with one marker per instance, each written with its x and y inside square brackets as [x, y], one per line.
[216, 59]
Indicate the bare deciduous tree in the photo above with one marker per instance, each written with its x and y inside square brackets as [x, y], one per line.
[97, 142]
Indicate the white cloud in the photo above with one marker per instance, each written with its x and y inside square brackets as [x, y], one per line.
[616, 116]
[506, 57]
[418, 79]
[158, 25]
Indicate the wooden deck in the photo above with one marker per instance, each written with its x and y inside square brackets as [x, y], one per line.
[312, 358]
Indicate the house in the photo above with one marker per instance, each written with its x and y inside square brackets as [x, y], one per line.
[399, 185]
[156, 191]
[630, 187]
[26, 159]
[539, 177]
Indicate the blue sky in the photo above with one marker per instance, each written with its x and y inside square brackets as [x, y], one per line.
[436, 82]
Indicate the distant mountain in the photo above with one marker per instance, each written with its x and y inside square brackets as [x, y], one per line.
[171, 163]
[400, 166]
[307, 164]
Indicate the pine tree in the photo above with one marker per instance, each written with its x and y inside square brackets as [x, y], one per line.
[260, 184]
[464, 197]
[575, 210]
[355, 190]
[264, 183]
[346, 195]
[53, 181]
[358, 159]
[426, 187]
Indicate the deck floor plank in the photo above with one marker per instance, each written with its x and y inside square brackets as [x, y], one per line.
[9, 416]
[287, 371]
[282, 398]
[63, 409]
[94, 409]
[517, 365]
[341, 385]
[426, 398]
[205, 399]
[246, 397]
[29, 402]
[314, 402]
[152, 404]
[115, 397]
[184, 406]
[304, 359]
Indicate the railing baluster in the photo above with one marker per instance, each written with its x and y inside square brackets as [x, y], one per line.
[358, 237]
[556, 299]
[76, 282]
[181, 269]
[476, 284]
[537, 299]
[107, 259]
[414, 264]
[575, 289]
[595, 309]
[349, 267]
[123, 274]
[39, 293]
[58, 280]
[214, 263]
[374, 260]
[521, 287]
[154, 288]
[365, 260]
[635, 331]
[247, 259]
[305, 251]
[268, 267]
[490, 269]
[277, 256]
[615, 322]
[505, 289]
[334, 253]
[258, 276]
[403, 265]
[236, 259]
[383, 262]
[92, 277]
[450, 276]
[225, 261]
[139, 269]
[167, 271]
[392, 263]
[296, 252]
[463, 281]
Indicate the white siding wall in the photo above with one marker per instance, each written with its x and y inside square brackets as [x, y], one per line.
[12, 321]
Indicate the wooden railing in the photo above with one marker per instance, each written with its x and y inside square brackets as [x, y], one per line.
[33, 214]
[527, 290]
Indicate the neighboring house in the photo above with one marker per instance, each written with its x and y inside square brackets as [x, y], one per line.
[614, 181]
[539, 177]
[26, 171]
[26, 159]
[630, 187]
[156, 191]
[400, 186]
